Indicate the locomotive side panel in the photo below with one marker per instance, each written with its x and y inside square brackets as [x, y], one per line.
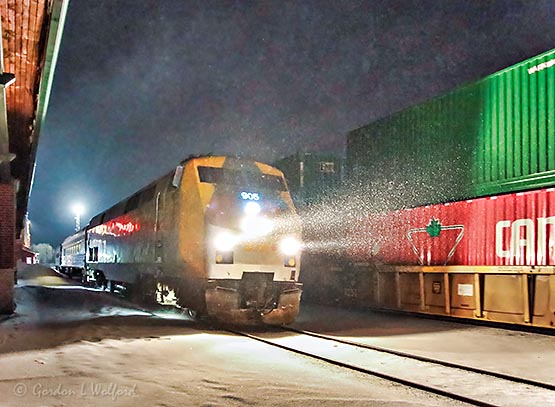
[195, 198]
[127, 243]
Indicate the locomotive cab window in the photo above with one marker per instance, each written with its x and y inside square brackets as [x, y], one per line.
[214, 175]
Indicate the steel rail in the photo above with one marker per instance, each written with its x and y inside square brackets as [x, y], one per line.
[498, 375]
[405, 382]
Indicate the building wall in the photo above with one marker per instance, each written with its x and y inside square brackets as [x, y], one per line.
[7, 246]
[310, 176]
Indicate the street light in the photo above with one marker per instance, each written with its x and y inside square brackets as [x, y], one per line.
[78, 210]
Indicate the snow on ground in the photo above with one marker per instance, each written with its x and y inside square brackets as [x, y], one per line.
[69, 346]
[513, 352]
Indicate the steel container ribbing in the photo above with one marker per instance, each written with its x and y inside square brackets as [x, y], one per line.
[493, 136]
[515, 229]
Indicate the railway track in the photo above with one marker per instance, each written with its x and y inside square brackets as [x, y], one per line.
[466, 384]
[445, 363]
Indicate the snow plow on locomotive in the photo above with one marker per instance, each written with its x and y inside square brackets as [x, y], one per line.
[219, 236]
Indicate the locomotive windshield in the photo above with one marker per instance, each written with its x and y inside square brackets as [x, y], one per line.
[251, 179]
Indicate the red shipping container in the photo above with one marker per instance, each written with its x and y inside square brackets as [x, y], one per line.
[511, 229]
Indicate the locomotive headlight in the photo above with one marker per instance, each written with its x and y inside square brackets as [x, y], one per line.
[290, 246]
[252, 208]
[225, 241]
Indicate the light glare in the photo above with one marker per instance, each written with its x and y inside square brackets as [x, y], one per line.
[78, 209]
[225, 242]
[252, 208]
[257, 226]
[290, 246]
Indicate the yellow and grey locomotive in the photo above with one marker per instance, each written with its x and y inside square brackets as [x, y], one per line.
[219, 235]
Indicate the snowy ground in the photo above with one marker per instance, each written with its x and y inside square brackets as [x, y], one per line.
[67, 345]
[70, 346]
[508, 351]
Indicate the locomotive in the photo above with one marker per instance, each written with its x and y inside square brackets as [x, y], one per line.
[218, 236]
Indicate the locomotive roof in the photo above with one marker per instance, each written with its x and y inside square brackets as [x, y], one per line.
[119, 206]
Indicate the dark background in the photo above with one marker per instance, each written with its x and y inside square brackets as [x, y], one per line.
[142, 84]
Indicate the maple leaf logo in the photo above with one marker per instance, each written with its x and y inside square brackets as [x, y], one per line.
[434, 228]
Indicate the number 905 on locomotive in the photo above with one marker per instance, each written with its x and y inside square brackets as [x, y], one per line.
[218, 236]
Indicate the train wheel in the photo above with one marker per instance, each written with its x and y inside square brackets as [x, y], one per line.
[101, 281]
[193, 314]
[143, 291]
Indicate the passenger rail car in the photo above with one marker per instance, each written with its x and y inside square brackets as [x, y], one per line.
[219, 236]
[71, 260]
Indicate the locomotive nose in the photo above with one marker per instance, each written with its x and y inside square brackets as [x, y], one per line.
[255, 299]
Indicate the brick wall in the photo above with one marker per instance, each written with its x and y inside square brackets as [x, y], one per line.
[6, 291]
[7, 249]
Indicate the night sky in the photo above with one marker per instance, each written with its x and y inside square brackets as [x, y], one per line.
[141, 85]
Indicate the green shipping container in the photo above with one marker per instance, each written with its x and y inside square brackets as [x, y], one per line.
[492, 136]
